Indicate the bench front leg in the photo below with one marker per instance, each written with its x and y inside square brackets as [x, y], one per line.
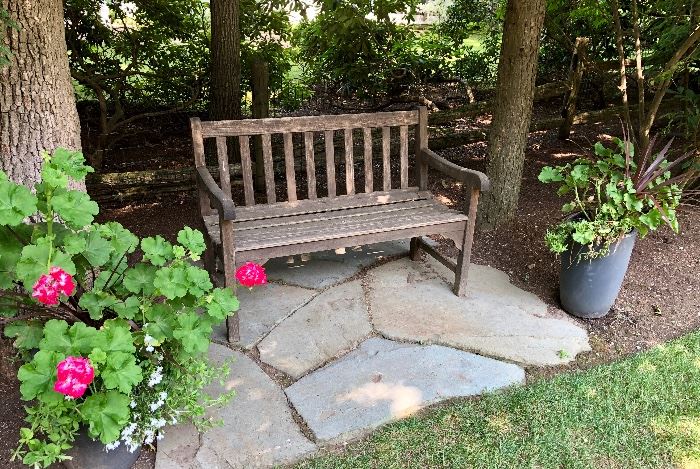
[228, 249]
[462, 270]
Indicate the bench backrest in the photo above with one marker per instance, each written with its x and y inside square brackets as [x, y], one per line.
[226, 132]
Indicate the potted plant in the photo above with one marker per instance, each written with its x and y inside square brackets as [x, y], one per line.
[612, 201]
[113, 349]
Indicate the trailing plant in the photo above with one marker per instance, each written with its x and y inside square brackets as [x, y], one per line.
[110, 345]
[612, 195]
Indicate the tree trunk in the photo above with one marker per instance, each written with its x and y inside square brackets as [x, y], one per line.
[225, 98]
[517, 69]
[37, 104]
[623, 62]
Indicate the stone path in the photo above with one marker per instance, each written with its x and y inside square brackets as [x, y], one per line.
[352, 340]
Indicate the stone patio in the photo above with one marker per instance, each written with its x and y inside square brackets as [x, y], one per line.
[340, 343]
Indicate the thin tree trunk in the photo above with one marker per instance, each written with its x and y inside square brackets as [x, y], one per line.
[641, 111]
[576, 69]
[225, 98]
[517, 69]
[37, 104]
[685, 48]
[623, 66]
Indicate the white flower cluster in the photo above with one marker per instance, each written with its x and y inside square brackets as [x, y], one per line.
[156, 377]
[150, 342]
[161, 400]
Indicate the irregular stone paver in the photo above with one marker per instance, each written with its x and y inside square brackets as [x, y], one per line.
[410, 301]
[334, 321]
[322, 269]
[258, 429]
[262, 308]
[384, 380]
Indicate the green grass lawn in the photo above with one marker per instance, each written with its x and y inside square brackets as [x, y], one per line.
[641, 412]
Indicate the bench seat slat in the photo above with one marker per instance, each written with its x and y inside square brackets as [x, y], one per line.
[384, 218]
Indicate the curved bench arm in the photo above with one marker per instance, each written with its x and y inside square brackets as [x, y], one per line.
[223, 204]
[470, 177]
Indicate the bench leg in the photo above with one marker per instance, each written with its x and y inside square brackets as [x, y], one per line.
[229, 261]
[415, 249]
[462, 270]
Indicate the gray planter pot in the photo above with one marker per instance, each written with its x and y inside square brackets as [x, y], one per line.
[91, 454]
[588, 288]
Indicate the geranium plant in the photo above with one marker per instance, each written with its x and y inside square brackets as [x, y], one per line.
[112, 346]
[612, 195]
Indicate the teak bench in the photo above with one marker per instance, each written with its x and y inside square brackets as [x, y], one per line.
[259, 231]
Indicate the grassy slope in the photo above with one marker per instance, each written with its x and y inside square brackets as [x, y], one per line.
[640, 412]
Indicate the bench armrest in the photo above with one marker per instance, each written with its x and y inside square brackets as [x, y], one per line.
[475, 179]
[217, 197]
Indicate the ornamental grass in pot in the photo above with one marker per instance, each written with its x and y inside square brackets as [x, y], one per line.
[613, 200]
[113, 349]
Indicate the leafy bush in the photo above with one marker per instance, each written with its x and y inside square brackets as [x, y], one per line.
[613, 195]
[138, 332]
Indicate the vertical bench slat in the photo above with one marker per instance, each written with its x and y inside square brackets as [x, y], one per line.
[386, 158]
[224, 174]
[330, 162]
[199, 161]
[403, 136]
[247, 170]
[369, 177]
[421, 143]
[349, 164]
[310, 165]
[269, 172]
[289, 167]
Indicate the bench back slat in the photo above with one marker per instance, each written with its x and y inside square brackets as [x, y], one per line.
[289, 168]
[403, 138]
[369, 170]
[269, 169]
[224, 174]
[310, 164]
[269, 130]
[330, 162]
[386, 158]
[247, 170]
[349, 164]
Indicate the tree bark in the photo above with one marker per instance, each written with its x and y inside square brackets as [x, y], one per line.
[623, 62]
[517, 70]
[225, 98]
[37, 104]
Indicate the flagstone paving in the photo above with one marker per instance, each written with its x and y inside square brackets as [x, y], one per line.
[363, 337]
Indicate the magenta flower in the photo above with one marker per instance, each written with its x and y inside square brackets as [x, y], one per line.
[251, 274]
[74, 375]
[50, 286]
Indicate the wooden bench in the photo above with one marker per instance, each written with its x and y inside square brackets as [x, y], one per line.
[260, 231]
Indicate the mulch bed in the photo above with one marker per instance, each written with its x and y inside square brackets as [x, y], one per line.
[660, 299]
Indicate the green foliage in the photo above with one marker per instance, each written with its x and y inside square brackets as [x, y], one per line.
[612, 195]
[140, 325]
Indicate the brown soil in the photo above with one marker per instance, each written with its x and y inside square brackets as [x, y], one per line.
[660, 299]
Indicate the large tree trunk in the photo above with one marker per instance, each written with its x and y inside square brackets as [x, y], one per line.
[37, 104]
[225, 98]
[517, 69]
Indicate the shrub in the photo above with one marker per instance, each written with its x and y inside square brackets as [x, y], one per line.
[614, 195]
[112, 347]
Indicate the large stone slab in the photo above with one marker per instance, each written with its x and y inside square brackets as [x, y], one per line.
[333, 322]
[322, 269]
[384, 380]
[410, 301]
[262, 308]
[257, 431]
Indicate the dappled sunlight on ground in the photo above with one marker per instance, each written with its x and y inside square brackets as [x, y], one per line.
[405, 400]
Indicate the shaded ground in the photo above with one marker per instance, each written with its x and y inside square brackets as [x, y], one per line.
[660, 299]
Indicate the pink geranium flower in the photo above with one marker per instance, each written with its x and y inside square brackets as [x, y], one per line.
[50, 286]
[251, 274]
[74, 375]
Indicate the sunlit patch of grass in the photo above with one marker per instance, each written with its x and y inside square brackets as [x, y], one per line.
[641, 412]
